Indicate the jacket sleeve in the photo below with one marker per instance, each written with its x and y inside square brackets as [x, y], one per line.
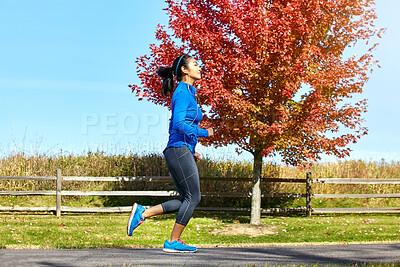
[202, 132]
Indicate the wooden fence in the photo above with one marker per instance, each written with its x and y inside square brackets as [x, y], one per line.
[356, 181]
[308, 181]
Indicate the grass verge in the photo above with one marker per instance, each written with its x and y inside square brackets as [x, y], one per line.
[23, 230]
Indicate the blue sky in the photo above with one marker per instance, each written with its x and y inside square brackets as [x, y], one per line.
[65, 66]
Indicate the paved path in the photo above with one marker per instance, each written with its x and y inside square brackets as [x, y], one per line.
[258, 256]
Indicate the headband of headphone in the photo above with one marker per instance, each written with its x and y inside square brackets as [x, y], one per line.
[176, 70]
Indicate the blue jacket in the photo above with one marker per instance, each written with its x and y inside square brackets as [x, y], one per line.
[186, 115]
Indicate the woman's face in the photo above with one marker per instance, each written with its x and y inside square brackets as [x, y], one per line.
[193, 69]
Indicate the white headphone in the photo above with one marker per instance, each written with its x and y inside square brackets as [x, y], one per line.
[197, 111]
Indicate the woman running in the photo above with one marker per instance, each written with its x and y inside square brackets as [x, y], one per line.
[180, 152]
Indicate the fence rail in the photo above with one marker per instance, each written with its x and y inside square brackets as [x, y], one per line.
[355, 181]
[59, 179]
[38, 178]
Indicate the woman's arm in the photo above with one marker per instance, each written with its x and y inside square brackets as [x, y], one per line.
[203, 132]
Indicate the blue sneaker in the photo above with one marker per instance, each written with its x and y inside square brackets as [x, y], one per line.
[136, 218]
[178, 246]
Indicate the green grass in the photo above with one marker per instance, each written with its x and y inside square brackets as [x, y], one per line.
[23, 230]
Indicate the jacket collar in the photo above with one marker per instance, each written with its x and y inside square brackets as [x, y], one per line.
[192, 89]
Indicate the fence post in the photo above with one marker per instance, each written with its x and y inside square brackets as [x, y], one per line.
[58, 193]
[308, 194]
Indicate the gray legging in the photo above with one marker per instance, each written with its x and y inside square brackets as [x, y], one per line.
[183, 169]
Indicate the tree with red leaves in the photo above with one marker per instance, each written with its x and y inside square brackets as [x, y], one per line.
[274, 74]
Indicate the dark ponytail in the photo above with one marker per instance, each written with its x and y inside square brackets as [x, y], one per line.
[167, 74]
[168, 80]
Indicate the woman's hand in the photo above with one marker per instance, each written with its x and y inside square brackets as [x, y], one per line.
[210, 132]
[196, 156]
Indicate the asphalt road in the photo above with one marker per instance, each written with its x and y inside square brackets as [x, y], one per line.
[258, 256]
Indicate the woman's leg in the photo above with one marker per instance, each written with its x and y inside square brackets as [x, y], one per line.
[183, 168]
[171, 205]
[152, 211]
[176, 232]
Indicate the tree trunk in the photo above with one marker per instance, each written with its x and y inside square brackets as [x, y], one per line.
[256, 189]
